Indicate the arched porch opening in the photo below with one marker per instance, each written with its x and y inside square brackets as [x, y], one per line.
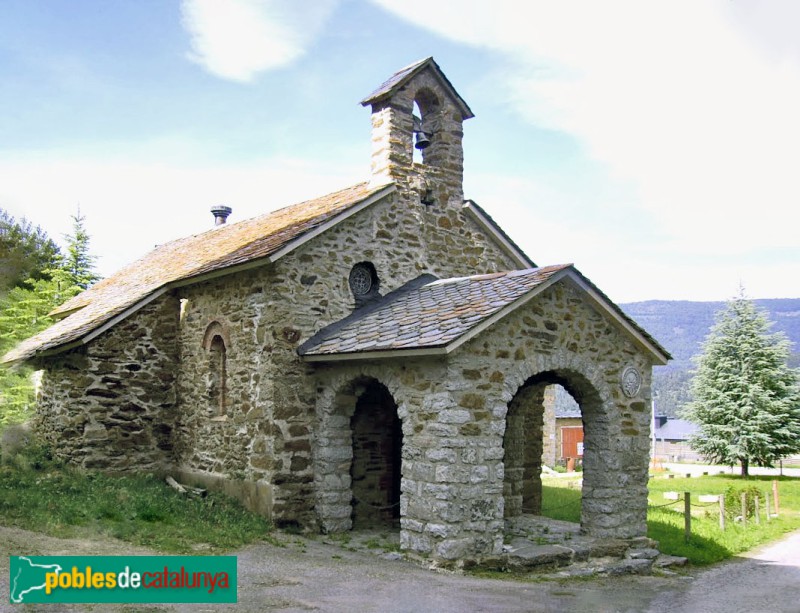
[375, 470]
[525, 432]
[358, 462]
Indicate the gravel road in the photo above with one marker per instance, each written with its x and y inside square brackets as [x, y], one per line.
[765, 579]
[314, 575]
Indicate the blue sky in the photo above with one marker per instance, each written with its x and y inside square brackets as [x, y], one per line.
[655, 145]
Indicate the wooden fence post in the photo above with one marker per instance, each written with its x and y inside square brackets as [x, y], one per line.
[722, 512]
[775, 496]
[687, 514]
[744, 508]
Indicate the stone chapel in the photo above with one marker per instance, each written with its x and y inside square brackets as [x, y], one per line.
[375, 356]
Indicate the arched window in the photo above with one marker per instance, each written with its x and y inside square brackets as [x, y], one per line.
[217, 369]
[215, 342]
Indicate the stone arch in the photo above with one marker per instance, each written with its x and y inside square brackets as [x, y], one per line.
[214, 329]
[359, 434]
[522, 439]
[216, 341]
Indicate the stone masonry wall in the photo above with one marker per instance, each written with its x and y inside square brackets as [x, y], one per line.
[309, 290]
[263, 443]
[549, 442]
[232, 449]
[110, 405]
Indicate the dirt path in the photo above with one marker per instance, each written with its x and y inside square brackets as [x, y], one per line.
[318, 575]
[313, 575]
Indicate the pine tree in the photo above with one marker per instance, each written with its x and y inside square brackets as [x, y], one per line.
[79, 262]
[746, 399]
[24, 311]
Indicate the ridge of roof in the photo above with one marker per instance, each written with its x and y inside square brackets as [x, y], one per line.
[221, 250]
[402, 76]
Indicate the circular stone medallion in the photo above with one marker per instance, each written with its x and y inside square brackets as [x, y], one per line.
[631, 381]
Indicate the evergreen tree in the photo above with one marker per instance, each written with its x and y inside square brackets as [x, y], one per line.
[79, 262]
[746, 399]
[24, 312]
[26, 252]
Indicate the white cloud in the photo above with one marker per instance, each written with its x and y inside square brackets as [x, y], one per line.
[693, 104]
[131, 205]
[627, 265]
[237, 39]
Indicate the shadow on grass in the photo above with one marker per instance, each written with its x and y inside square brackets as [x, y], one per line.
[698, 549]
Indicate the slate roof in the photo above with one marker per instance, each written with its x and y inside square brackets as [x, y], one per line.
[180, 261]
[402, 76]
[675, 429]
[434, 316]
[426, 313]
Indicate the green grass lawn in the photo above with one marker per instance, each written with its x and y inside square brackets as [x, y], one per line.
[142, 510]
[665, 524]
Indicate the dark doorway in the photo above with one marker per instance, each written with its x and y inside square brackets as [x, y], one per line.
[377, 459]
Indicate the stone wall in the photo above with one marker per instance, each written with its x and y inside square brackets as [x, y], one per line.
[110, 405]
[549, 438]
[264, 439]
[234, 446]
[308, 289]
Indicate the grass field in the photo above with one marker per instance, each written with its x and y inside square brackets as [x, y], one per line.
[665, 519]
[142, 510]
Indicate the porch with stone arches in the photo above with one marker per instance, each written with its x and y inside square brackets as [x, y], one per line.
[342, 503]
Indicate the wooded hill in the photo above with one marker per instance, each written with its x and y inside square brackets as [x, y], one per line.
[682, 326]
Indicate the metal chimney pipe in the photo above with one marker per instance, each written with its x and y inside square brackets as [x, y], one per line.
[221, 213]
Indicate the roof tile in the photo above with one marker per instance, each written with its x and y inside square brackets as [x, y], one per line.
[427, 315]
[222, 247]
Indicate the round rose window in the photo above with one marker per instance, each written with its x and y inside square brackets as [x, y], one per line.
[360, 280]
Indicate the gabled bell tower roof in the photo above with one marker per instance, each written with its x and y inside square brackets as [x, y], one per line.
[404, 75]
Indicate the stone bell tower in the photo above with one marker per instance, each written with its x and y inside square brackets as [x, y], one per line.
[437, 131]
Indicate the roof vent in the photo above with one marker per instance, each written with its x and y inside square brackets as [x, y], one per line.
[221, 213]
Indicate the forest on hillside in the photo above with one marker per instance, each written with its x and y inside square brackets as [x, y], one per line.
[682, 326]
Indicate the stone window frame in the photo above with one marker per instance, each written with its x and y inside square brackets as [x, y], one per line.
[216, 342]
